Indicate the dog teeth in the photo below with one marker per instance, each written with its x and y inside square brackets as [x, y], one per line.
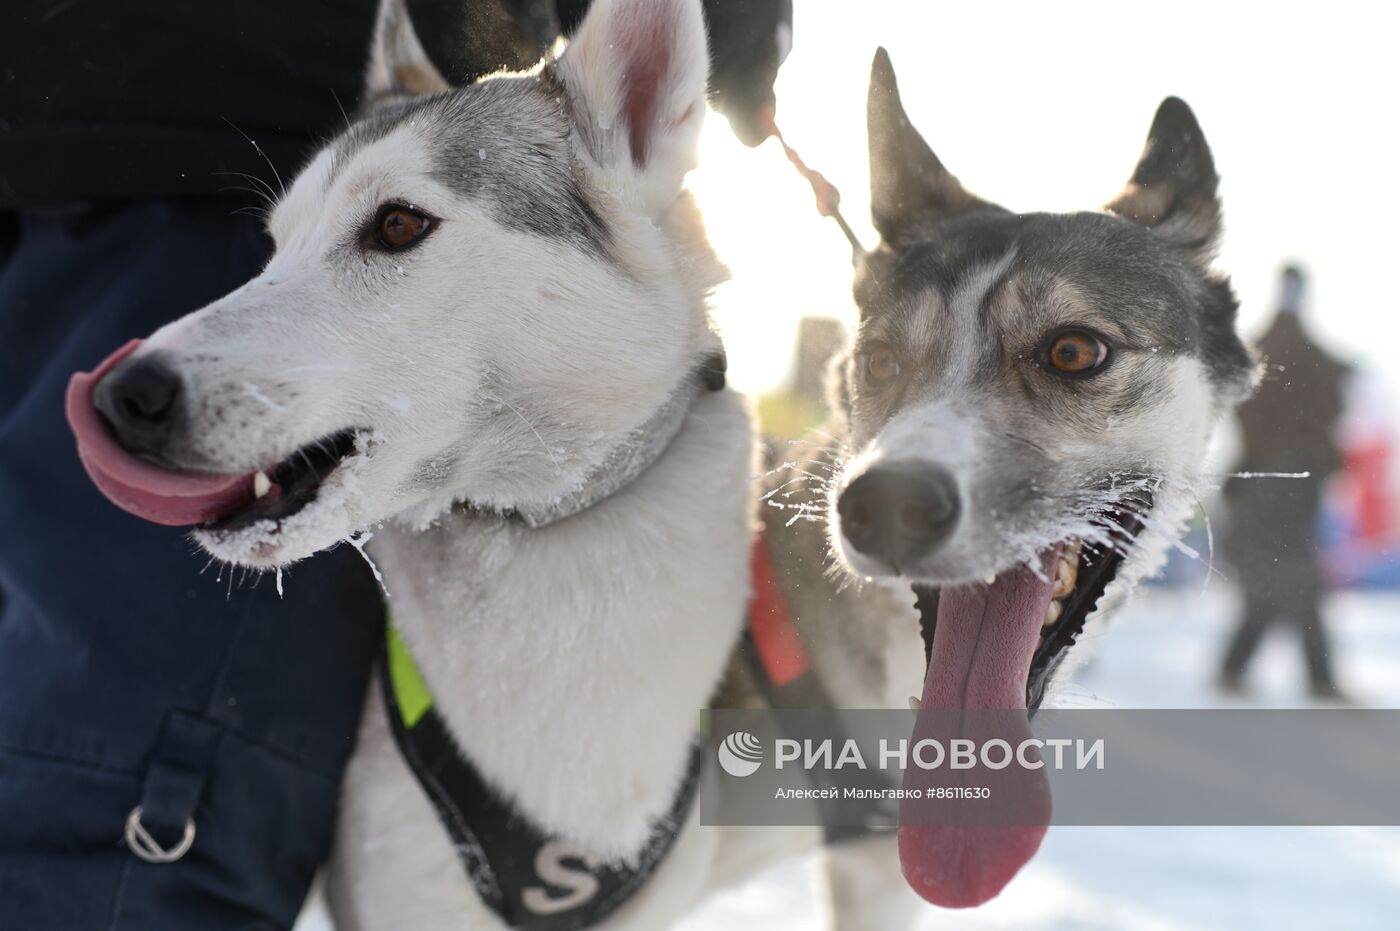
[990, 579]
[915, 704]
[1065, 574]
[1052, 614]
[261, 484]
[1066, 570]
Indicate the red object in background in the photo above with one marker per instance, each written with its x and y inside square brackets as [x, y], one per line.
[774, 634]
[1365, 480]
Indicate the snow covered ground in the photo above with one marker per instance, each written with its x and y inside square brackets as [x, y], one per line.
[1161, 653]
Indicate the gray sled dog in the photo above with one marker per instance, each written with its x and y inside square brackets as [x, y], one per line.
[1023, 419]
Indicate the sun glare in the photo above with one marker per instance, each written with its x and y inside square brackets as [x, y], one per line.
[1045, 107]
[786, 262]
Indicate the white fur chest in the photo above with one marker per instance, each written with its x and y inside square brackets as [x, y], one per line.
[570, 662]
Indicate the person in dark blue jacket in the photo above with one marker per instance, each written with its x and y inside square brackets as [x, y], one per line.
[172, 733]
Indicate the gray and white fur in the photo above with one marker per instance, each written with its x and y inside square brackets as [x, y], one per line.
[949, 381]
[557, 302]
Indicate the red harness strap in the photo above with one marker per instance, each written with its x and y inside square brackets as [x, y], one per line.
[770, 625]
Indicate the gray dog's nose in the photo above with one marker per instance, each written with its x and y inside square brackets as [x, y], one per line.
[900, 511]
[137, 399]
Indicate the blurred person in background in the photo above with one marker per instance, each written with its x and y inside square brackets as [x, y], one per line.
[1288, 426]
[203, 718]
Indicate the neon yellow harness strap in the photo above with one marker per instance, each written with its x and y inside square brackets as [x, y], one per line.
[410, 691]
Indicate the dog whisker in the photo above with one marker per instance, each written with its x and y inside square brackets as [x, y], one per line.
[558, 467]
[341, 108]
[801, 477]
[792, 464]
[264, 191]
[831, 467]
[841, 445]
[1022, 440]
[358, 541]
[261, 154]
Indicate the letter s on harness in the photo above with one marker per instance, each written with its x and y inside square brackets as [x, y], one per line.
[550, 867]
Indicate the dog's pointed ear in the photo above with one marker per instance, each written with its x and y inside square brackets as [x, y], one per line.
[908, 184]
[398, 65]
[635, 73]
[1174, 189]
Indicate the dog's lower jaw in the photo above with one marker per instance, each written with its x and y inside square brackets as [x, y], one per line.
[1130, 542]
[332, 517]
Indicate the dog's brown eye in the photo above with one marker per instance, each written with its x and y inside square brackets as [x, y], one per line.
[397, 227]
[1077, 353]
[881, 365]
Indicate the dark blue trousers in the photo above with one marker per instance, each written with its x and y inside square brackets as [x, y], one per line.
[129, 674]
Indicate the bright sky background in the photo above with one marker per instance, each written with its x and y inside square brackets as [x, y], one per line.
[1045, 106]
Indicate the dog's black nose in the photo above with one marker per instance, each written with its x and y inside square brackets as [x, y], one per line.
[900, 511]
[137, 399]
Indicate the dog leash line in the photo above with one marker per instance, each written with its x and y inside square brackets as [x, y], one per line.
[827, 195]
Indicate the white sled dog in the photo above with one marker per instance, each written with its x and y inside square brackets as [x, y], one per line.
[484, 335]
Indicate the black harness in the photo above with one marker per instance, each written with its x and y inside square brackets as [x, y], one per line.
[530, 879]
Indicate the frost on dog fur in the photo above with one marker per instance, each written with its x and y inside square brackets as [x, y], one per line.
[965, 294]
[1028, 403]
[558, 294]
[555, 305]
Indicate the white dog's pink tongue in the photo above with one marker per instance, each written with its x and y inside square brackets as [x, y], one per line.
[982, 649]
[164, 497]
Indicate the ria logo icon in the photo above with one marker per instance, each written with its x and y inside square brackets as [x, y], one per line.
[740, 754]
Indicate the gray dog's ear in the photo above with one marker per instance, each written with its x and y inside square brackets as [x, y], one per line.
[398, 65]
[1174, 187]
[908, 184]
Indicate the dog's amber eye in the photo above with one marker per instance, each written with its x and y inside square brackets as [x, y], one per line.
[881, 365]
[397, 227]
[1077, 352]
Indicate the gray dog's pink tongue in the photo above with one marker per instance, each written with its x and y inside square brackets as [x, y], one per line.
[982, 649]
